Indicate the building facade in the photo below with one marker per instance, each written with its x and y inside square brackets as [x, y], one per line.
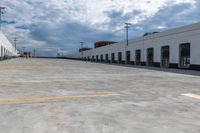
[7, 50]
[176, 48]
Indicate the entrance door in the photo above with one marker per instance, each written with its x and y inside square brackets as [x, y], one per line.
[113, 57]
[138, 57]
[184, 55]
[128, 57]
[119, 57]
[150, 57]
[165, 56]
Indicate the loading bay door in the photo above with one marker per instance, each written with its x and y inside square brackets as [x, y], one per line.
[113, 57]
[150, 55]
[97, 58]
[106, 57]
[138, 57]
[184, 55]
[101, 58]
[128, 57]
[165, 56]
[93, 58]
[119, 57]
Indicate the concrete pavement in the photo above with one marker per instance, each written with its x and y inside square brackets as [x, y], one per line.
[65, 96]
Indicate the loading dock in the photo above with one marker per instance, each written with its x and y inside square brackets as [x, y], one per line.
[184, 55]
[176, 48]
[150, 55]
[107, 58]
[138, 57]
[128, 57]
[93, 58]
[112, 57]
[101, 58]
[165, 56]
[119, 57]
[97, 58]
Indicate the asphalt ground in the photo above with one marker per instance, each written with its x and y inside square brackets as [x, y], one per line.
[65, 96]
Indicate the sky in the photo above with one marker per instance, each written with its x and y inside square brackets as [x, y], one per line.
[52, 25]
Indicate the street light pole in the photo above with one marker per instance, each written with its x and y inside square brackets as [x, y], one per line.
[82, 49]
[127, 26]
[1, 13]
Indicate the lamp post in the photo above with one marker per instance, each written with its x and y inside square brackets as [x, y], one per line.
[127, 26]
[1, 13]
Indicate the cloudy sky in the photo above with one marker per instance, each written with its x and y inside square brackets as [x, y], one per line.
[51, 25]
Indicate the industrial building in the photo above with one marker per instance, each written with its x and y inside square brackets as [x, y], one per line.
[175, 48]
[7, 50]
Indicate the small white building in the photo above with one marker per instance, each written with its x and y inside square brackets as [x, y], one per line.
[176, 48]
[7, 50]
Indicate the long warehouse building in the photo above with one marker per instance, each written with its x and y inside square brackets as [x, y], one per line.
[7, 50]
[176, 48]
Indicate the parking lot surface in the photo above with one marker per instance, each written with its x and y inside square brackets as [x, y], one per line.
[66, 96]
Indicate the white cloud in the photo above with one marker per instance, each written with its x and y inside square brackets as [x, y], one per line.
[94, 14]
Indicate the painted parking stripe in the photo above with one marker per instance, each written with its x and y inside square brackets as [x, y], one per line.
[59, 97]
[41, 81]
[191, 95]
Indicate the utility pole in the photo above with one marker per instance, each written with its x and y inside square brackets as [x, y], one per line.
[127, 26]
[82, 49]
[1, 13]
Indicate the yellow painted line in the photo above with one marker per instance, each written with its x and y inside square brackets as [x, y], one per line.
[191, 95]
[59, 97]
[41, 81]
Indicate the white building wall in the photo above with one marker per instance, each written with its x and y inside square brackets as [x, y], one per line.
[172, 38]
[6, 48]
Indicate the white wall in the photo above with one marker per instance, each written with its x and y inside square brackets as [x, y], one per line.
[173, 38]
[8, 49]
